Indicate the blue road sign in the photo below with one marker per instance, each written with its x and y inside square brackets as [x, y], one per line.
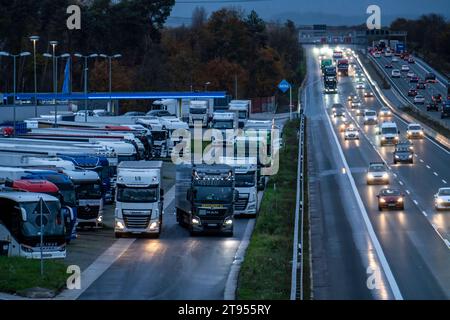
[284, 86]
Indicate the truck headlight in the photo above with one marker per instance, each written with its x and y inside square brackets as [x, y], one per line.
[154, 225]
[228, 222]
[119, 225]
[195, 221]
[410, 156]
[100, 219]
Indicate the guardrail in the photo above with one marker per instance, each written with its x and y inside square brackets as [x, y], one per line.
[297, 251]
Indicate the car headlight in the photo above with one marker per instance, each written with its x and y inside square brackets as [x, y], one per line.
[119, 225]
[370, 176]
[396, 157]
[383, 138]
[382, 200]
[439, 201]
[400, 200]
[195, 221]
[410, 156]
[385, 176]
[228, 222]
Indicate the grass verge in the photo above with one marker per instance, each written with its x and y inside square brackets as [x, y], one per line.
[18, 274]
[266, 271]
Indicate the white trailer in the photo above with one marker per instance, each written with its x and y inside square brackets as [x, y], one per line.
[139, 198]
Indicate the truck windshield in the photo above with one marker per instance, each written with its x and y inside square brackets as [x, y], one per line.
[53, 223]
[159, 135]
[69, 196]
[137, 195]
[245, 180]
[222, 124]
[242, 114]
[213, 194]
[89, 191]
[197, 111]
[389, 131]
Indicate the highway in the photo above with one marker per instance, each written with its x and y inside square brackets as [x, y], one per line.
[402, 84]
[415, 240]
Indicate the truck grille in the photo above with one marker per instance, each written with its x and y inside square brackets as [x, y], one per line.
[136, 222]
[87, 212]
[241, 203]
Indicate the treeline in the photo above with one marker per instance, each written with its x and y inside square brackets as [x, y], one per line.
[229, 45]
[429, 36]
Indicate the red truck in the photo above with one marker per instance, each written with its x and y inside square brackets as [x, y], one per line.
[342, 67]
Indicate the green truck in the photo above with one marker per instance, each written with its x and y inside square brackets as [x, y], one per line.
[326, 63]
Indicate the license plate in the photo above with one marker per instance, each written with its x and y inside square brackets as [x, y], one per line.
[212, 224]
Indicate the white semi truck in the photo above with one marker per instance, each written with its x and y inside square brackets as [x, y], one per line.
[139, 198]
[198, 113]
[243, 109]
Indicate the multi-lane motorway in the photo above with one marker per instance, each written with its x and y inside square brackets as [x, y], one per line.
[413, 253]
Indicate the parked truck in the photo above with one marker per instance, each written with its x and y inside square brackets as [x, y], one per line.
[139, 198]
[198, 113]
[242, 108]
[205, 197]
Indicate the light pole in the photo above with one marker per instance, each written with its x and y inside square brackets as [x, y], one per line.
[55, 86]
[14, 56]
[65, 55]
[35, 39]
[116, 56]
[78, 55]
[206, 85]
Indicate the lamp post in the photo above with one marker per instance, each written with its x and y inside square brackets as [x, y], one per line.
[55, 86]
[35, 39]
[116, 56]
[78, 55]
[65, 55]
[14, 56]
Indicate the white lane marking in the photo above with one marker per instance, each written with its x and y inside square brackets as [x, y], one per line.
[447, 243]
[395, 175]
[435, 173]
[421, 160]
[376, 243]
[408, 192]
[428, 167]
[103, 262]
[424, 213]
[415, 155]
[401, 182]
[444, 182]
[415, 202]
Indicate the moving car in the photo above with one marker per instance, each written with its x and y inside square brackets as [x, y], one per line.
[337, 106]
[412, 92]
[360, 86]
[414, 79]
[403, 154]
[368, 94]
[351, 133]
[396, 73]
[415, 131]
[339, 113]
[421, 85]
[445, 112]
[388, 66]
[377, 173]
[394, 59]
[405, 67]
[410, 74]
[360, 112]
[430, 77]
[406, 144]
[390, 198]
[411, 60]
[432, 106]
[442, 199]
[356, 103]
[343, 126]
[385, 112]
[419, 99]
[437, 98]
[370, 117]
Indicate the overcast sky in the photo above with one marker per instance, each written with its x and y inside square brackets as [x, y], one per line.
[332, 12]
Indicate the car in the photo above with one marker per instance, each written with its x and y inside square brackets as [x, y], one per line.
[445, 112]
[360, 112]
[395, 73]
[360, 86]
[432, 106]
[339, 113]
[351, 133]
[350, 98]
[437, 98]
[385, 112]
[377, 173]
[415, 131]
[134, 114]
[410, 74]
[159, 113]
[370, 117]
[406, 144]
[403, 154]
[368, 94]
[390, 198]
[388, 66]
[411, 60]
[414, 79]
[442, 199]
[355, 104]
[405, 67]
[412, 92]
[376, 54]
[337, 106]
[419, 99]
[82, 113]
[388, 53]
[344, 125]
[430, 77]
[421, 85]
[394, 59]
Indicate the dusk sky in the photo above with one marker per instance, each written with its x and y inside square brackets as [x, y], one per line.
[317, 11]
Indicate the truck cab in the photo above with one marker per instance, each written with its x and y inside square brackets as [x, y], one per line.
[198, 113]
[205, 197]
[139, 198]
[246, 184]
[225, 122]
[242, 108]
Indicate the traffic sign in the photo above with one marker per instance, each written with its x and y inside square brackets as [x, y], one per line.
[284, 86]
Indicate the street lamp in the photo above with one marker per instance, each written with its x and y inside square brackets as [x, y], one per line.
[116, 56]
[35, 39]
[55, 85]
[14, 56]
[65, 55]
[92, 56]
[206, 86]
